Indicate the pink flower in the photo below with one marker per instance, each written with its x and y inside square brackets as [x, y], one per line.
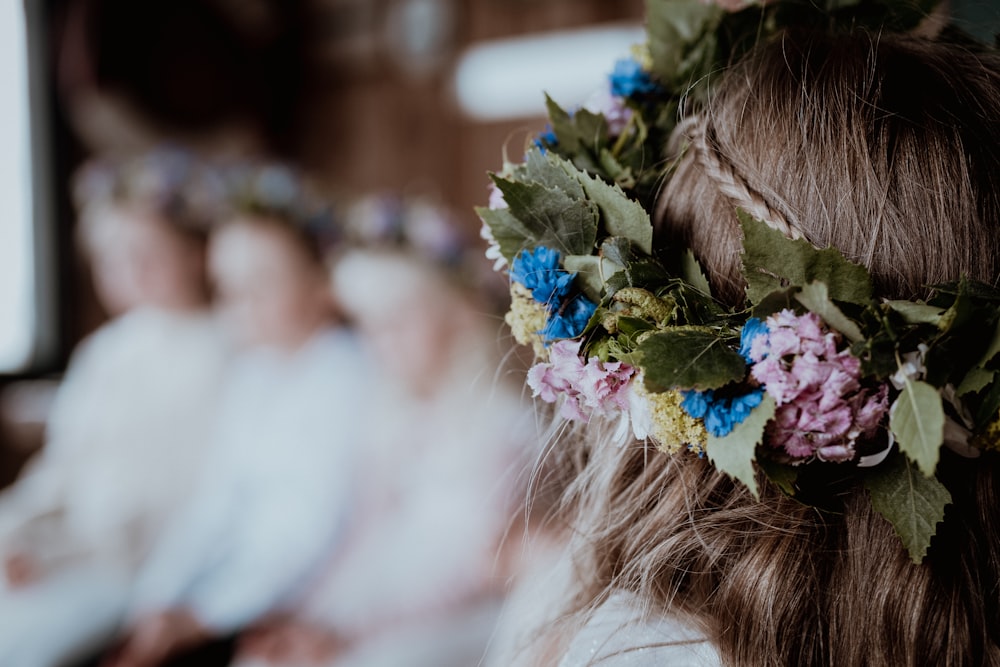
[836, 453]
[586, 389]
[822, 407]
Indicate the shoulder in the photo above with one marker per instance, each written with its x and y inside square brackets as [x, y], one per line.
[620, 634]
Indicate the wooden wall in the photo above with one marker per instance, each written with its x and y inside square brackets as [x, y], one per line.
[320, 83]
[374, 126]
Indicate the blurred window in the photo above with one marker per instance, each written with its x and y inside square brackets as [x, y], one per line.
[504, 79]
[21, 298]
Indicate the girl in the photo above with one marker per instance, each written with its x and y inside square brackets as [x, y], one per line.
[277, 488]
[131, 418]
[882, 145]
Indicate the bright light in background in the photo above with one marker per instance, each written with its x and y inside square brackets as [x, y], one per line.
[17, 288]
[505, 80]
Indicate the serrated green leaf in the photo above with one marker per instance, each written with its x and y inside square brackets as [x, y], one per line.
[987, 409]
[551, 217]
[816, 298]
[507, 230]
[961, 311]
[917, 421]
[775, 302]
[550, 170]
[773, 262]
[622, 217]
[917, 313]
[562, 126]
[615, 171]
[640, 270]
[975, 289]
[592, 272]
[734, 454]
[580, 134]
[620, 250]
[692, 273]
[590, 127]
[781, 475]
[994, 347]
[689, 358]
[912, 502]
[974, 381]
[682, 40]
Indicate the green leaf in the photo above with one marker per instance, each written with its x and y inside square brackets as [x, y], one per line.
[550, 170]
[781, 475]
[816, 298]
[917, 313]
[592, 272]
[579, 134]
[913, 503]
[633, 325]
[692, 273]
[734, 454]
[639, 269]
[682, 40]
[975, 289]
[773, 262]
[562, 126]
[776, 302]
[622, 216]
[615, 170]
[507, 230]
[917, 421]
[987, 410]
[689, 358]
[551, 217]
[993, 348]
[962, 310]
[974, 381]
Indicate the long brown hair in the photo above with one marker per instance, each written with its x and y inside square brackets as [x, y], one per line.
[883, 146]
[888, 148]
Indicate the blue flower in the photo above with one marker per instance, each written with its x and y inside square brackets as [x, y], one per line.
[629, 79]
[570, 319]
[546, 140]
[695, 403]
[539, 271]
[753, 328]
[720, 415]
[550, 285]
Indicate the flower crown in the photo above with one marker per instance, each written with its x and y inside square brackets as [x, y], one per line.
[815, 374]
[277, 191]
[169, 180]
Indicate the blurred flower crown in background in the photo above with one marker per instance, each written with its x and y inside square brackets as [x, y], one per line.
[196, 195]
[171, 182]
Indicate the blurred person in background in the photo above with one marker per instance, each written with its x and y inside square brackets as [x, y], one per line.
[278, 483]
[419, 581]
[131, 418]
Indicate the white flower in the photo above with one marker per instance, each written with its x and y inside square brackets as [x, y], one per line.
[639, 412]
[911, 369]
[493, 251]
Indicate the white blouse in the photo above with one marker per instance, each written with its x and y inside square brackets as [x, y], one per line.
[130, 423]
[440, 483]
[620, 635]
[277, 490]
